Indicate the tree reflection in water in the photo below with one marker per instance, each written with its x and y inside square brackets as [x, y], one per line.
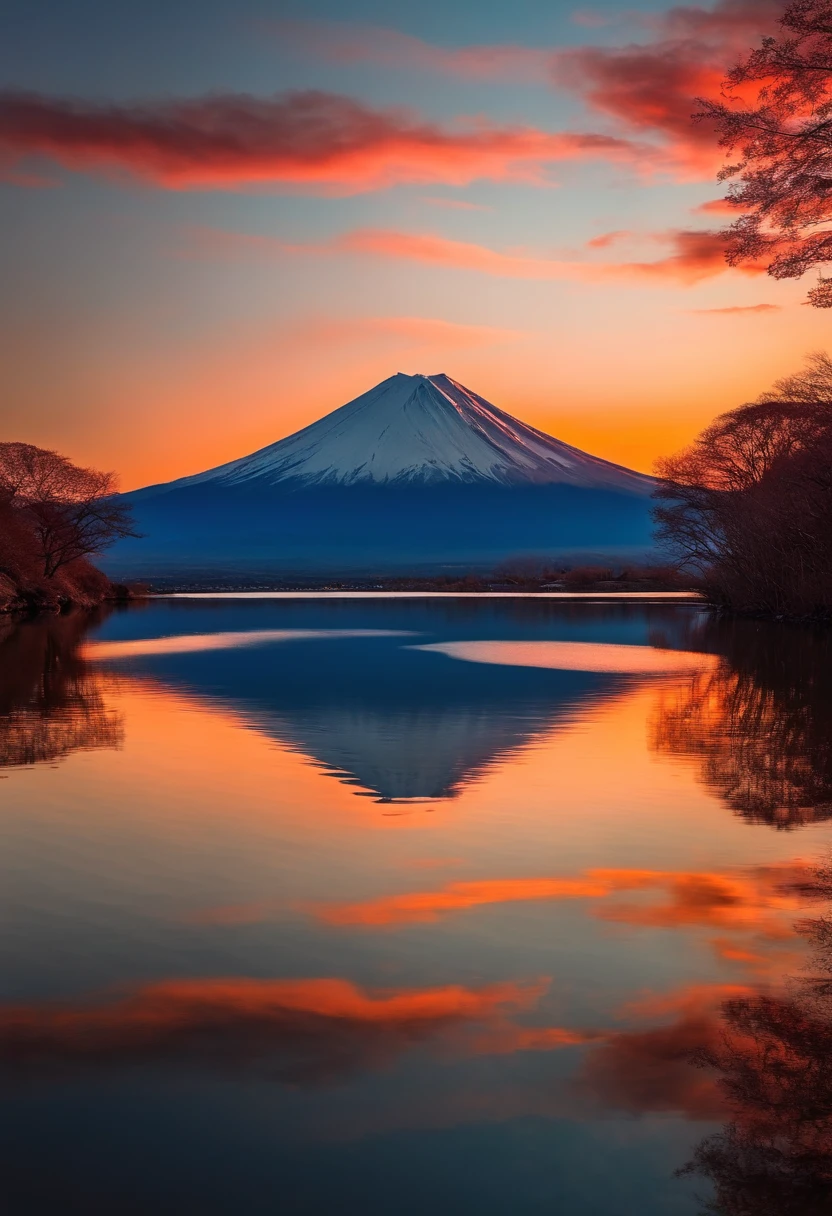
[51, 700]
[774, 1064]
[760, 724]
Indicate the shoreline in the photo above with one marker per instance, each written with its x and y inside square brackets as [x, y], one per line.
[384, 593]
[27, 603]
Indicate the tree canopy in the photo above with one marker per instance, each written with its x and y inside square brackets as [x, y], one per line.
[776, 112]
[748, 506]
[68, 512]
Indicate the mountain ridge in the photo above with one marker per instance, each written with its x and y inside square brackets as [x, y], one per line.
[417, 474]
[418, 430]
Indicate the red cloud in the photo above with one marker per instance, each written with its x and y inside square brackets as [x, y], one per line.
[693, 257]
[464, 255]
[309, 138]
[650, 86]
[335, 143]
[716, 206]
[654, 86]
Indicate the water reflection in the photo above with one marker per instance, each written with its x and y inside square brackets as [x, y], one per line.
[373, 710]
[772, 1057]
[51, 701]
[759, 724]
[577, 656]
[228, 640]
[402, 719]
[227, 981]
[299, 1032]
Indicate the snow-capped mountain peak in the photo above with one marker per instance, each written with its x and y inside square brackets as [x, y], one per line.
[421, 430]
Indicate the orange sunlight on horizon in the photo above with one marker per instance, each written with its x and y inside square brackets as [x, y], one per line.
[637, 390]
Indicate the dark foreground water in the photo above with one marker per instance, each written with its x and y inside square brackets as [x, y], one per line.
[406, 906]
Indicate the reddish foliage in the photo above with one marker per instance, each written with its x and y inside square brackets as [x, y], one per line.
[784, 140]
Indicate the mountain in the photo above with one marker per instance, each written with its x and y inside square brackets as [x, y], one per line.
[419, 471]
[424, 430]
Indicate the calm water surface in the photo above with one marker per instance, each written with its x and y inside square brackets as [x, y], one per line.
[325, 906]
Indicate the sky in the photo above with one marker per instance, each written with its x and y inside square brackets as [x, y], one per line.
[221, 219]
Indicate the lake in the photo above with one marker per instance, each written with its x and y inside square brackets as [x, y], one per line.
[458, 904]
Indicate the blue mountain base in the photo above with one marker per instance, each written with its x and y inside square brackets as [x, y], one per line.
[344, 530]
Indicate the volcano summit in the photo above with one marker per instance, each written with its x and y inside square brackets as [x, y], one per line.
[418, 472]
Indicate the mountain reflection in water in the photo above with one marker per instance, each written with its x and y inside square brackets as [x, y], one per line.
[754, 710]
[230, 985]
[369, 706]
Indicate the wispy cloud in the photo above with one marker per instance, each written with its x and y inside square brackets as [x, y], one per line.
[652, 87]
[589, 18]
[716, 206]
[454, 204]
[736, 310]
[649, 86]
[692, 256]
[428, 332]
[326, 142]
[320, 141]
[26, 179]
[358, 42]
[743, 20]
[607, 239]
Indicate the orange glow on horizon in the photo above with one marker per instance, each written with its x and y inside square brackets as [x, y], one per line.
[229, 392]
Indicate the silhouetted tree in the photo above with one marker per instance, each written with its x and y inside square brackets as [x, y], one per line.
[784, 138]
[748, 507]
[72, 512]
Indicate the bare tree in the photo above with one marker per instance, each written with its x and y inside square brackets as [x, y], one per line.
[784, 139]
[812, 386]
[73, 512]
[748, 507]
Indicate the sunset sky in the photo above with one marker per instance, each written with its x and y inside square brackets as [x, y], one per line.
[223, 218]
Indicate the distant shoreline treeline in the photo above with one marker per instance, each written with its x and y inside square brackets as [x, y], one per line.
[524, 575]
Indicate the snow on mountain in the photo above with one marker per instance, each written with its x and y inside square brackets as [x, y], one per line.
[412, 430]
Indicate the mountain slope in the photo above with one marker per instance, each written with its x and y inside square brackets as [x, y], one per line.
[418, 473]
[420, 430]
